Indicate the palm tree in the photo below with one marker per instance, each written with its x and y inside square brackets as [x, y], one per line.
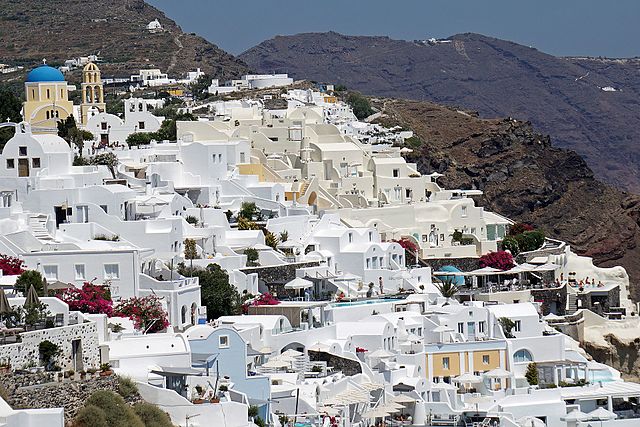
[447, 288]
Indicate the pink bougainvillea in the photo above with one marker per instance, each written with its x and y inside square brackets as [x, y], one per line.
[361, 350]
[265, 299]
[92, 299]
[146, 312]
[501, 260]
[11, 266]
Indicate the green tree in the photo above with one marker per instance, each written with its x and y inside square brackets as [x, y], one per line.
[271, 239]
[507, 326]
[78, 137]
[190, 250]
[245, 224]
[532, 374]
[10, 107]
[284, 236]
[511, 244]
[168, 129]
[48, 353]
[217, 294]
[252, 256]
[248, 210]
[200, 86]
[28, 278]
[360, 105]
[116, 411]
[447, 288]
[139, 138]
[109, 160]
[151, 415]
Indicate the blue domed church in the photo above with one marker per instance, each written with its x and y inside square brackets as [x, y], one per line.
[47, 101]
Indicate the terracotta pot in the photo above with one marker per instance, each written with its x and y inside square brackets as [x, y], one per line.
[215, 400]
[106, 373]
[198, 401]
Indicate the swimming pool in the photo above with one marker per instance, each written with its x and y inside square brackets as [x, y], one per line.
[365, 302]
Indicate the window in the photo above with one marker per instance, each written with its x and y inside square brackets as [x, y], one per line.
[140, 125]
[48, 94]
[522, 356]
[219, 158]
[35, 162]
[80, 273]
[350, 237]
[104, 208]
[445, 363]
[396, 173]
[485, 359]
[242, 157]
[223, 341]
[464, 212]
[111, 271]
[518, 325]
[461, 327]
[103, 125]
[22, 151]
[50, 272]
[482, 326]
[11, 164]
[371, 236]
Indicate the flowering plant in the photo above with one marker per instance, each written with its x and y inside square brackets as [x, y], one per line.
[361, 350]
[11, 266]
[265, 299]
[146, 312]
[92, 299]
[501, 260]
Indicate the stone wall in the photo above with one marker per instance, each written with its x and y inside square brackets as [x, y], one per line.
[278, 273]
[548, 296]
[463, 264]
[27, 351]
[346, 366]
[35, 391]
[605, 301]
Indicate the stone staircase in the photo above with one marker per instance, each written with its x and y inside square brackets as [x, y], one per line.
[304, 187]
[38, 226]
[572, 303]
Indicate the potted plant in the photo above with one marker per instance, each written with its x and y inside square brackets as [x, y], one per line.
[69, 374]
[5, 366]
[91, 372]
[83, 374]
[105, 370]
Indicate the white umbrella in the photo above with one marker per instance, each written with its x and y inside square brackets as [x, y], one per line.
[467, 378]
[403, 398]
[576, 415]
[318, 347]
[299, 283]
[276, 364]
[406, 150]
[403, 275]
[486, 271]
[413, 338]
[602, 414]
[380, 354]
[375, 413]
[442, 328]
[498, 373]
[530, 421]
[547, 267]
[292, 353]
[274, 156]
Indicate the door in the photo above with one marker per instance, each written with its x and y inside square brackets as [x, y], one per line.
[471, 330]
[104, 139]
[76, 355]
[23, 167]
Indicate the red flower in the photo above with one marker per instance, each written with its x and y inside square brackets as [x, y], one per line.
[146, 312]
[501, 260]
[91, 299]
[11, 266]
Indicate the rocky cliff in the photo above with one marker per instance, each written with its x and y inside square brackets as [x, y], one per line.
[115, 30]
[524, 177]
[589, 105]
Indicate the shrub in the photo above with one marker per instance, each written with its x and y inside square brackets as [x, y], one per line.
[28, 278]
[192, 220]
[248, 210]
[117, 412]
[252, 256]
[519, 228]
[501, 260]
[511, 244]
[11, 266]
[146, 312]
[90, 416]
[219, 296]
[507, 326]
[532, 373]
[360, 105]
[253, 411]
[92, 299]
[48, 352]
[284, 236]
[127, 387]
[151, 415]
[271, 240]
[140, 138]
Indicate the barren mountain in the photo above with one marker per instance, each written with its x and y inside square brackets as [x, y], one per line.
[525, 178]
[116, 30]
[589, 105]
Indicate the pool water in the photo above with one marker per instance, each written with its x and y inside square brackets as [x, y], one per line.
[365, 302]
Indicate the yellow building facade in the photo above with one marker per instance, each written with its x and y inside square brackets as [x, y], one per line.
[47, 99]
[445, 364]
[92, 92]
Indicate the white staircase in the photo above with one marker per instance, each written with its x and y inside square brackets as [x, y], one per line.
[572, 303]
[38, 226]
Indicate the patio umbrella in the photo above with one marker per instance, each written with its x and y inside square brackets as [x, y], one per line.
[498, 373]
[299, 283]
[467, 378]
[276, 364]
[403, 398]
[375, 413]
[32, 297]
[5, 307]
[318, 347]
[380, 354]
[59, 286]
[576, 416]
[602, 414]
[292, 353]
[529, 421]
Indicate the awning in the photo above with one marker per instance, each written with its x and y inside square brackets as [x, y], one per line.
[169, 371]
[298, 283]
[486, 271]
